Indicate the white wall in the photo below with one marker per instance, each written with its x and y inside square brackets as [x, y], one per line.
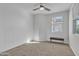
[16, 26]
[40, 27]
[73, 38]
[36, 27]
[1, 32]
[43, 26]
[65, 29]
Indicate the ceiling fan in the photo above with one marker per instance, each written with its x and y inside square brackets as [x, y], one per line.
[42, 7]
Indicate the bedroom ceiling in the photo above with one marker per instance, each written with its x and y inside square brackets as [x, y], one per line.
[55, 7]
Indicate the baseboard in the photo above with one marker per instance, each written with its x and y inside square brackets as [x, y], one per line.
[66, 42]
[73, 50]
[12, 46]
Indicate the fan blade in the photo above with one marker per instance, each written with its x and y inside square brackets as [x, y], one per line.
[46, 8]
[35, 9]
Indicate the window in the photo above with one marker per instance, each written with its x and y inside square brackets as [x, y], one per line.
[76, 25]
[58, 19]
[57, 24]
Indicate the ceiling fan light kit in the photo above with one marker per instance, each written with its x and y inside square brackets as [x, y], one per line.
[42, 7]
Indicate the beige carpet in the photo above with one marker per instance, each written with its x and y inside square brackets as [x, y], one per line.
[40, 49]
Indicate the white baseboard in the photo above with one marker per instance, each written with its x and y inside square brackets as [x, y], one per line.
[73, 50]
[15, 45]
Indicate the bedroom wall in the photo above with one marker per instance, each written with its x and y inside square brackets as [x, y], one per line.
[16, 26]
[43, 26]
[40, 27]
[73, 38]
[65, 28]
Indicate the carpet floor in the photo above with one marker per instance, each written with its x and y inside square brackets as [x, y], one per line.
[40, 49]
